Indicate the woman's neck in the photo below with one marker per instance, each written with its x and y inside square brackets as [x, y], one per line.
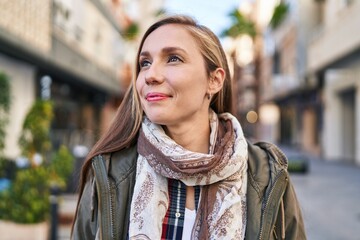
[193, 137]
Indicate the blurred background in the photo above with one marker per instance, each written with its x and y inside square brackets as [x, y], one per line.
[66, 64]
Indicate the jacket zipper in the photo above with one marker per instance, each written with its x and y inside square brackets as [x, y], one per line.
[105, 197]
[111, 209]
[267, 202]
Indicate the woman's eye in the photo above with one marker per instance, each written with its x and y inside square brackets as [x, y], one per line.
[144, 63]
[174, 59]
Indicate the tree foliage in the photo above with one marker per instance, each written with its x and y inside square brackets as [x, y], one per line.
[5, 99]
[61, 166]
[27, 198]
[130, 32]
[35, 136]
[279, 14]
[240, 26]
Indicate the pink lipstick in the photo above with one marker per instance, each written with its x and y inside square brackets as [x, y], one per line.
[154, 97]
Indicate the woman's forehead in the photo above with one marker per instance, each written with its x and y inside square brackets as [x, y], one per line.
[170, 35]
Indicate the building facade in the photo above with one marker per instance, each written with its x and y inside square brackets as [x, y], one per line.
[334, 61]
[309, 71]
[74, 53]
[290, 99]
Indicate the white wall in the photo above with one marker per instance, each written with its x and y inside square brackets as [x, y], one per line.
[338, 38]
[22, 82]
[335, 82]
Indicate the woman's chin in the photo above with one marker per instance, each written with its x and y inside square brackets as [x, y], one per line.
[157, 119]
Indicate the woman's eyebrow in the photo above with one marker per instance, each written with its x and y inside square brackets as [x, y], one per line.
[173, 49]
[165, 50]
[144, 54]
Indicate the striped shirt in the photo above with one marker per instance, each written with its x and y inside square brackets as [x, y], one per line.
[173, 223]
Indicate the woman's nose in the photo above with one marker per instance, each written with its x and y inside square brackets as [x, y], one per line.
[154, 75]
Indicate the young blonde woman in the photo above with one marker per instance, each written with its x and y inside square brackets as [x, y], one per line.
[175, 163]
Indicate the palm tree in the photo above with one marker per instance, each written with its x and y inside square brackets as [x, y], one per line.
[240, 26]
[279, 14]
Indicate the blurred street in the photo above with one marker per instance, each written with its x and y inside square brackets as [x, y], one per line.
[329, 197]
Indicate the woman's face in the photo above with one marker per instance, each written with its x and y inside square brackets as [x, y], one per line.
[172, 82]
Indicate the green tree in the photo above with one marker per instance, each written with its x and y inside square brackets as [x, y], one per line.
[35, 136]
[131, 31]
[61, 167]
[4, 108]
[27, 198]
[279, 14]
[240, 26]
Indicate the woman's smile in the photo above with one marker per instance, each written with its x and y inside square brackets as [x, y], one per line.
[155, 97]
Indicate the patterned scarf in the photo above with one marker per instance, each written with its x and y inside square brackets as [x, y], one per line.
[222, 174]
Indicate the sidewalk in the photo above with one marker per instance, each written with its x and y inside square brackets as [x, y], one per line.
[329, 197]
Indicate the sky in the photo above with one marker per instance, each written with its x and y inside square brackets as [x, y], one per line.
[211, 13]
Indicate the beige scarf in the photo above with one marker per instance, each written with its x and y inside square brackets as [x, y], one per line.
[222, 174]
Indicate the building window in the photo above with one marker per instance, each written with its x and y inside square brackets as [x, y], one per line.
[276, 62]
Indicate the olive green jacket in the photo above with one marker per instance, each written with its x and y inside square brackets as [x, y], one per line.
[272, 208]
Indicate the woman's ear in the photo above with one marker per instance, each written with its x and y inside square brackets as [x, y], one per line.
[216, 81]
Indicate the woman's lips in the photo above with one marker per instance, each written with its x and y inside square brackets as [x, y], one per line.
[154, 97]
